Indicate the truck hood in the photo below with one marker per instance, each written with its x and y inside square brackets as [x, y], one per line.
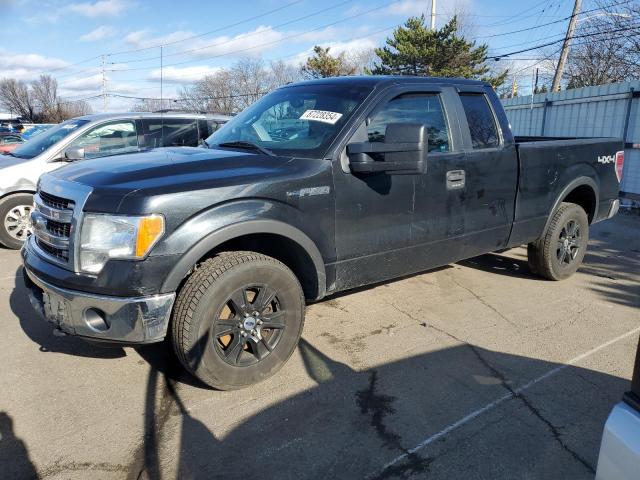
[171, 169]
[134, 183]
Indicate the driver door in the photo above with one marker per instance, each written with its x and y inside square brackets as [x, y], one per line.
[375, 211]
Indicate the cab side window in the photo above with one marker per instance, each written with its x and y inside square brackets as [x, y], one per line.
[170, 132]
[482, 123]
[108, 139]
[424, 108]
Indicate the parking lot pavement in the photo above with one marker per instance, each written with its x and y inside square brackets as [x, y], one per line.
[475, 370]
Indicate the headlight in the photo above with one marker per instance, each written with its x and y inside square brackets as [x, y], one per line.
[115, 236]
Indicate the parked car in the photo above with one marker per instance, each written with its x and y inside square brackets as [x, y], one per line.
[620, 449]
[35, 129]
[316, 188]
[9, 141]
[82, 138]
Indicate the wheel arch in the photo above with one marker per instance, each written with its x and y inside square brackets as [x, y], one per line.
[274, 238]
[582, 191]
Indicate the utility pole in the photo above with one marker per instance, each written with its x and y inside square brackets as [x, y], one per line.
[161, 106]
[104, 86]
[565, 46]
[433, 15]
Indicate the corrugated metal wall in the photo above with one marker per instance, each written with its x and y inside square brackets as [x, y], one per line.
[602, 111]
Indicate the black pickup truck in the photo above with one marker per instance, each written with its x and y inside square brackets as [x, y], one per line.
[318, 187]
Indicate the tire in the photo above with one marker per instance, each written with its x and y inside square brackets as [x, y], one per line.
[15, 220]
[226, 297]
[560, 251]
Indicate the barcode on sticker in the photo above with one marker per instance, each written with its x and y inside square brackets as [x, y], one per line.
[321, 116]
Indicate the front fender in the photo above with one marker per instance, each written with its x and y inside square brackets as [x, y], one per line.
[209, 229]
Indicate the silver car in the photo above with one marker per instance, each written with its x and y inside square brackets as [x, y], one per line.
[620, 449]
[82, 138]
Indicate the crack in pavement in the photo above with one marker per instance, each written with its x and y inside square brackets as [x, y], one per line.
[557, 436]
[484, 302]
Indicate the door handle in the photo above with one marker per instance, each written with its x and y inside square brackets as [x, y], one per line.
[455, 179]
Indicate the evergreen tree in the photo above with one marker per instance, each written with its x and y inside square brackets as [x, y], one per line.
[322, 64]
[414, 49]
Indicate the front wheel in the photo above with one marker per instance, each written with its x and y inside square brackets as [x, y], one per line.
[15, 215]
[560, 251]
[237, 319]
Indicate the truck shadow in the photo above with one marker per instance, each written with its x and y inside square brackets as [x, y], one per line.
[353, 422]
[501, 264]
[41, 332]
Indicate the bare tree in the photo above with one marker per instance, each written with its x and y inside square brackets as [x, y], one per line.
[153, 105]
[44, 92]
[16, 97]
[214, 93]
[73, 109]
[282, 73]
[249, 81]
[606, 47]
[232, 90]
[361, 61]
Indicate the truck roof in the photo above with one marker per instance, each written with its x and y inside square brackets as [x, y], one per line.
[374, 81]
[108, 116]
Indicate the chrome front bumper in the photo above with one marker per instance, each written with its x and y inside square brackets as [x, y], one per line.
[100, 317]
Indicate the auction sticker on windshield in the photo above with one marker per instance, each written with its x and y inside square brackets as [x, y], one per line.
[321, 116]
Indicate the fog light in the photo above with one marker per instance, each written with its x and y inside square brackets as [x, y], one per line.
[95, 320]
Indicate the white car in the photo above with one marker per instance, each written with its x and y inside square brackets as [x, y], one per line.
[620, 449]
[82, 138]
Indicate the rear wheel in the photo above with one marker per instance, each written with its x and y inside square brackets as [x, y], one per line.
[559, 253]
[15, 215]
[237, 319]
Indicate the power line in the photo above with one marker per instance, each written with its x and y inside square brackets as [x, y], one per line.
[549, 23]
[280, 40]
[219, 29]
[624, 29]
[212, 45]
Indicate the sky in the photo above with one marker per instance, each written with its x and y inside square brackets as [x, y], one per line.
[70, 40]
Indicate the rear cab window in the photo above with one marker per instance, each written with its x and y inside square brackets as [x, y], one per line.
[481, 120]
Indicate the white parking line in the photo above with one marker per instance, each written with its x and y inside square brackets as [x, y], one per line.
[504, 398]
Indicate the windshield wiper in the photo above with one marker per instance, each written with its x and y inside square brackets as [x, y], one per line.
[246, 146]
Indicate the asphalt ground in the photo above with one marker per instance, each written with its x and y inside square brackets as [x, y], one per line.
[476, 370]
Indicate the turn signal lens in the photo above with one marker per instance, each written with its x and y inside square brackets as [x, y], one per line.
[150, 230]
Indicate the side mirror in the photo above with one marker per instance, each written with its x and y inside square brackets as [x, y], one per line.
[74, 153]
[404, 151]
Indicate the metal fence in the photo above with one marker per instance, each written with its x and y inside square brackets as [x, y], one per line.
[604, 111]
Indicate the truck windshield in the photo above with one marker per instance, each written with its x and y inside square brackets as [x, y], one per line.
[47, 139]
[297, 121]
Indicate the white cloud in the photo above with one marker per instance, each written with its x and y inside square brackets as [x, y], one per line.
[336, 48]
[99, 8]
[251, 43]
[182, 75]
[103, 31]
[143, 39]
[26, 66]
[94, 82]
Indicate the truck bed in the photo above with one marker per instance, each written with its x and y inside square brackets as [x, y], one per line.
[548, 166]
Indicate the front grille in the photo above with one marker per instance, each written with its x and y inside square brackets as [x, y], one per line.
[59, 228]
[52, 225]
[59, 253]
[54, 201]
